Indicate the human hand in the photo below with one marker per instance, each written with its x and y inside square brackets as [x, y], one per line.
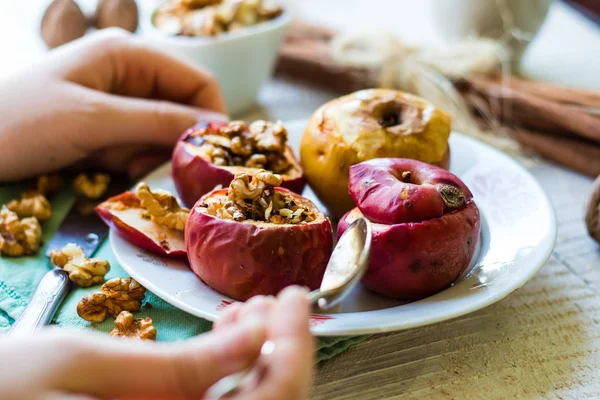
[108, 99]
[61, 364]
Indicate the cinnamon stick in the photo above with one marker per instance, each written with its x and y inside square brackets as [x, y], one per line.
[512, 116]
[571, 153]
[578, 122]
[561, 94]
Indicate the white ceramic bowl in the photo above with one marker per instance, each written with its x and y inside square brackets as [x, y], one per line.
[241, 60]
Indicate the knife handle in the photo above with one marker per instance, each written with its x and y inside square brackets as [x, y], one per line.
[47, 297]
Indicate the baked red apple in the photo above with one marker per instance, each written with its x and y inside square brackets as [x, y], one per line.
[256, 238]
[152, 220]
[425, 225]
[208, 156]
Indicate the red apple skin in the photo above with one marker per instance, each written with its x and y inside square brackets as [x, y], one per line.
[242, 259]
[411, 261]
[130, 233]
[194, 176]
[378, 191]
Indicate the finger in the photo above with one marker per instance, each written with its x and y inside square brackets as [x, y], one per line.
[116, 62]
[257, 308]
[290, 365]
[106, 367]
[230, 316]
[120, 121]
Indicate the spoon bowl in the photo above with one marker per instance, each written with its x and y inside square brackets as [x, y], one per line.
[347, 265]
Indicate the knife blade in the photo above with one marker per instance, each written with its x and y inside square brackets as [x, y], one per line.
[81, 226]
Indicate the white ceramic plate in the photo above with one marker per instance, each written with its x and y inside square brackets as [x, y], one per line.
[517, 237]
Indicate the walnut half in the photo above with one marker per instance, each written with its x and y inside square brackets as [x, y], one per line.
[129, 327]
[115, 296]
[162, 207]
[84, 271]
[31, 204]
[91, 188]
[18, 237]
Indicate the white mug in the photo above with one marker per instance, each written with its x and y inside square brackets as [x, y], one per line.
[457, 19]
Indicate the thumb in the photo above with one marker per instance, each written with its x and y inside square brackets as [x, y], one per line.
[127, 120]
[127, 369]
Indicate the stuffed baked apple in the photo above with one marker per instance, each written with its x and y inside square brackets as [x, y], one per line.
[153, 220]
[210, 154]
[425, 225]
[364, 125]
[257, 238]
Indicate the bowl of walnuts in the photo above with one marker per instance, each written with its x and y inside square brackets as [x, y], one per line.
[237, 40]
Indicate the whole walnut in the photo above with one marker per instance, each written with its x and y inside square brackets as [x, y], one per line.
[592, 215]
[62, 22]
[119, 13]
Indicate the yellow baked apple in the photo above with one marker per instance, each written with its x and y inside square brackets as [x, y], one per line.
[367, 124]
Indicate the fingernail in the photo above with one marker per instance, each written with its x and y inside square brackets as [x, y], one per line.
[211, 116]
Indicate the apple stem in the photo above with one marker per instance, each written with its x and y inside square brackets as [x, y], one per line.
[406, 175]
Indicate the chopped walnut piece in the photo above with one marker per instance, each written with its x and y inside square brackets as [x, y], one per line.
[211, 17]
[92, 188]
[262, 145]
[162, 207]
[128, 327]
[258, 200]
[116, 295]
[257, 161]
[269, 136]
[18, 237]
[241, 146]
[199, 3]
[83, 271]
[31, 204]
[49, 184]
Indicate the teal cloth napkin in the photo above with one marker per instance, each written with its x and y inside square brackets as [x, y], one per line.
[19, 278]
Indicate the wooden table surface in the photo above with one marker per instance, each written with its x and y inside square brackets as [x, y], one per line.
[542, 341]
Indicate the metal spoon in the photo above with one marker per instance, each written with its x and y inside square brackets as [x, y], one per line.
[346, 267]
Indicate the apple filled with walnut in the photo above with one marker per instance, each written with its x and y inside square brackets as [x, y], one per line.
[369, 124]
[425, 225]
[257, 238]
[208, 156]
[153, 220]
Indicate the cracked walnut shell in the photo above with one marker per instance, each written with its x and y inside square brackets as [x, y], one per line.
[62, 22]
[115, 296]
[129, 327]
[31, 204]
[119, 13]
[18, 237]
[83, 271]
[592, 215]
